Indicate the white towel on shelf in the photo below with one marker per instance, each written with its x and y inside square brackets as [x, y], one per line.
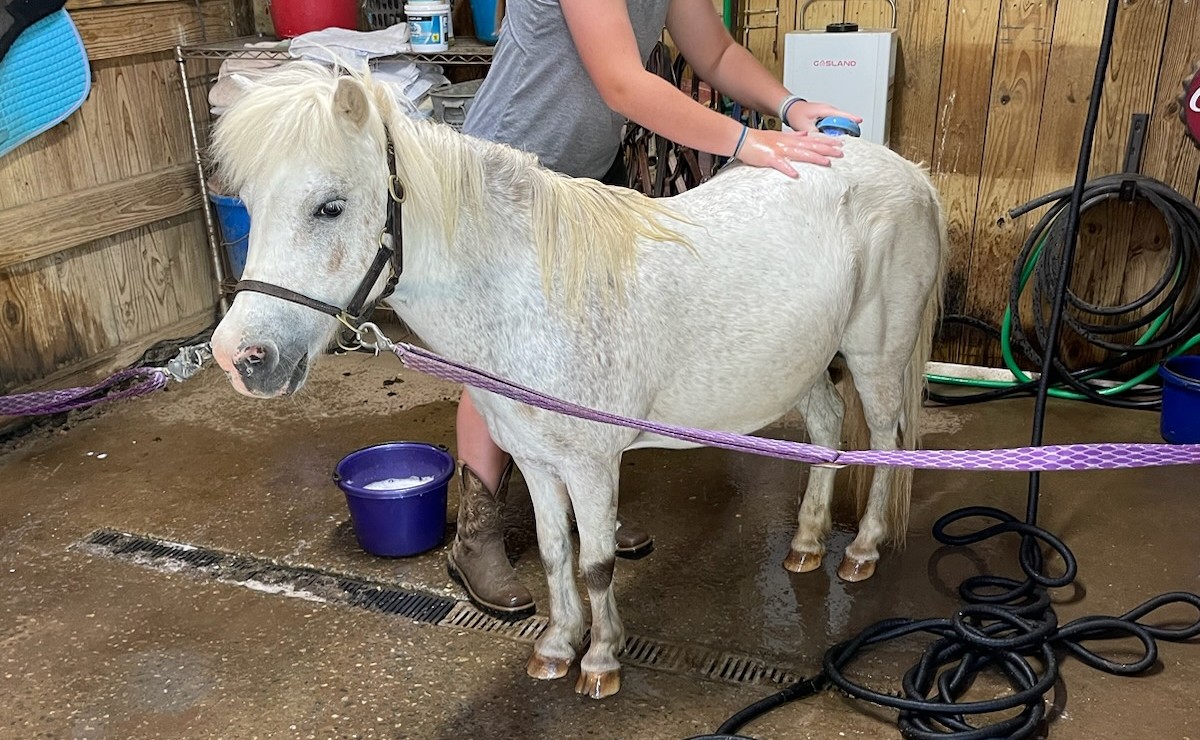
[397, 73]
[409, 80]
[350, 48]
[279, 45]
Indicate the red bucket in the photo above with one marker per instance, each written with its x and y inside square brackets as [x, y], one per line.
[294, 17]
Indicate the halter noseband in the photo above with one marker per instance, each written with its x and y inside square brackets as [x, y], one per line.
[391, 252]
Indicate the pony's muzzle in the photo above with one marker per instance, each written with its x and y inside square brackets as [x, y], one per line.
[261, 358]
[258, 368]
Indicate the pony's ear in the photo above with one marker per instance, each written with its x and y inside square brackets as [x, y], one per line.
[350, 100]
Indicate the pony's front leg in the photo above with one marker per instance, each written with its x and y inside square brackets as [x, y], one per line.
[593, 492]
[554, 651]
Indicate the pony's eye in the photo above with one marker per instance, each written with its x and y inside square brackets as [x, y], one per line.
[330, 209]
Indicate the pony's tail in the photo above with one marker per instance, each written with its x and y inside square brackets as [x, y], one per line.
[856, 435]
[914, 380]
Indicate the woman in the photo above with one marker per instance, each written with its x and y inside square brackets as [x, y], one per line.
[565, 77]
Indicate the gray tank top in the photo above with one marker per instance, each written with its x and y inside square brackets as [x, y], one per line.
[538, 97]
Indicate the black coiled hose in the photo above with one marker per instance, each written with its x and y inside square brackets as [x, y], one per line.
[1006, 625]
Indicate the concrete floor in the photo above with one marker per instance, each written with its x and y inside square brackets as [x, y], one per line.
[92, 647]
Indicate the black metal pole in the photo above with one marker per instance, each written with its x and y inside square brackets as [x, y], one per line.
[1068, 254]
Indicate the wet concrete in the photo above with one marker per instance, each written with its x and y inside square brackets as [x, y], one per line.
[92, 647]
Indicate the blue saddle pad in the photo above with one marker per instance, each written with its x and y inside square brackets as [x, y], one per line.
[44, 78]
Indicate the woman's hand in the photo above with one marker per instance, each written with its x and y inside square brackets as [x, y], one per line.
[803, 116]
[779, 149]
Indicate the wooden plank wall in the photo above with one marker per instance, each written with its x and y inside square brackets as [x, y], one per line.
[992, 95]
[103, 250]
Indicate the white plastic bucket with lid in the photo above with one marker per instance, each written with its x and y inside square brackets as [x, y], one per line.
[428, 26]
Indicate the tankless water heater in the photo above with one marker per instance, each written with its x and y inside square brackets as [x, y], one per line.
[843, 65]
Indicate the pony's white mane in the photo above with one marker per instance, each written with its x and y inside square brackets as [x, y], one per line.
[284, 114]
[585, 232]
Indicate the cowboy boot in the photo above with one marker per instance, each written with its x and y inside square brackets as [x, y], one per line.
[477, 560]
[633, 542]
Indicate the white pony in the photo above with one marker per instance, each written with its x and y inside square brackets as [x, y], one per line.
[721, 308]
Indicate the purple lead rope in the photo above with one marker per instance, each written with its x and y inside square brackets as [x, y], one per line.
[1102, 456]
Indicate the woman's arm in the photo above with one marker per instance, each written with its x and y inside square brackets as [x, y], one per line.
[729, 67]
[604, 38]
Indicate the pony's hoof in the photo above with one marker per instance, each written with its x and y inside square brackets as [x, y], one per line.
[853, 571]
[546, 669]
[802, 562]
[598, 685]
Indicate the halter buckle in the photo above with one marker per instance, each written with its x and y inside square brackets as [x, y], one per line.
[395, 189]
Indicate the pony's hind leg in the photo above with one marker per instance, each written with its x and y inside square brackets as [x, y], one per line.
[593, 491]
[823, 412]
[554, 651]
[880, 389]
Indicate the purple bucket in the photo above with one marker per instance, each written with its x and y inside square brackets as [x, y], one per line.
[397, 494]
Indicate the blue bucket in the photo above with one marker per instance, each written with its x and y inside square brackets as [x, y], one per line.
[234, 221]
[397, 521]
[1180, 423]
[486, 15]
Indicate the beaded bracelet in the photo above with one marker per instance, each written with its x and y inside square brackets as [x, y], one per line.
[741, 140]
[786, 106]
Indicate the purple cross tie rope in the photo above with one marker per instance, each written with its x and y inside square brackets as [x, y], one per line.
[1103, 456]
[68, 399]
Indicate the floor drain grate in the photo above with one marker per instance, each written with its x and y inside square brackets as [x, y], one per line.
[325, 586]
[465, 616]
[264, 575]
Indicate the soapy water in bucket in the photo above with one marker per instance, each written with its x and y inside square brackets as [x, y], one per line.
[398, 484]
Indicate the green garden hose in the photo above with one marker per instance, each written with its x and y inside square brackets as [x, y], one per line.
[1170, 327]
